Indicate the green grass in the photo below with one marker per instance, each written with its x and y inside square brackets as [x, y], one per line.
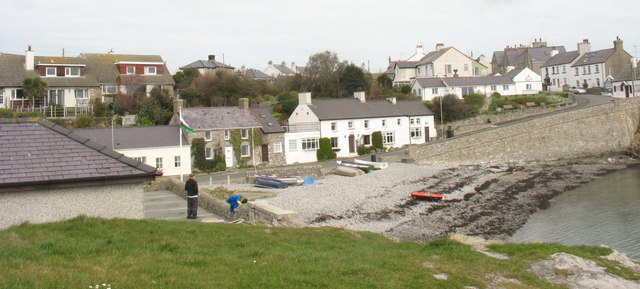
[83, 251]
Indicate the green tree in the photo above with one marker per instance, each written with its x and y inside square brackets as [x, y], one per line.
[384, 80]
[34, 88]
[288, 101]
[323, 73]
[353, 79]
[193, 97]
[83, 121]
[475, 100]
[376, 140]
[156, 109]
[185, 77]
[100, 109]
[453, 108]
[325, 152]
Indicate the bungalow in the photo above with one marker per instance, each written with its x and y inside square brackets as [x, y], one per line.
[207, 66]
[49, 173]
[515, 82]
[157, 146]
[350, 123]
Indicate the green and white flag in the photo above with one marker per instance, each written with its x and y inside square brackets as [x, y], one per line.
[184, 125]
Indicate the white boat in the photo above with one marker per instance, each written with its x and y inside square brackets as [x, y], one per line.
[376, 165]
[348, 171]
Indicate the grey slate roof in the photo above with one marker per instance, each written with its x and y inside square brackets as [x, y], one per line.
[212, 64]
[284, 69]
[407, 64]
[465, 81]
[515, 56]
[216, 118]
[257, 74]
[433, 55]
[136, 136]
[352, 108]
[594, 57]
[561, 58]
[267, 121]
[43, 154]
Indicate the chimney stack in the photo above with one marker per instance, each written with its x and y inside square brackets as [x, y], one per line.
[584, 47]
[439, 46]
[617, 44]
[419, 49]
[360, 95]
[304, 98]
[212, 58]
[29, 61]
[392, 100]
[243, 103]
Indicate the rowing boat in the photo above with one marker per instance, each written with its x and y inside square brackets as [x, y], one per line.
[427, 196]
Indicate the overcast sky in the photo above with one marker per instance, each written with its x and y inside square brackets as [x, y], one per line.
[252, 32]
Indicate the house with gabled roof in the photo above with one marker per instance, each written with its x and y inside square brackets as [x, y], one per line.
[531, 56]
[228, 131]
[255, 74]
[275, 70]
[350, 122]
[272, 146]
[445, 62]
[156, 146]
[49, 173]
[208, 66]
[515, 82]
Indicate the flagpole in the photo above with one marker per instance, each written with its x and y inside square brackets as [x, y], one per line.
[180, 137]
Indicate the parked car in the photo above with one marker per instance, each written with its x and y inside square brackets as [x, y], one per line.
[578, 90]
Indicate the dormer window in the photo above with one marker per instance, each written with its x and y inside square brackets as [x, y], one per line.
[72, 71]
[51, 71]
[131, 70]
[150, 70]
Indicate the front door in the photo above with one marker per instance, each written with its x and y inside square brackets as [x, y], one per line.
[352, 144]
[426, 134]
[265, 153]
[228, 156]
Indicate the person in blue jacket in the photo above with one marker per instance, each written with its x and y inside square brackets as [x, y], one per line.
[235, 201]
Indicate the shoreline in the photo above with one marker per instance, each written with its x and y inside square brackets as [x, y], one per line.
[487, 201]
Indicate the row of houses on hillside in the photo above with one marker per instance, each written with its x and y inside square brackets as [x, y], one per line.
[77, 81]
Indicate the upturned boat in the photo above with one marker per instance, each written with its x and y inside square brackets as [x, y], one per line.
[291, 180]
[270, 183]
[376, 165]
[427, 196]
[364, 168]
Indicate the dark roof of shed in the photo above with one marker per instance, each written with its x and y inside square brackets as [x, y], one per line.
[133, 137]
[207, 64]
[352, 108]
[594, 57]
[268, 122]
[257, 74]
[41, 153]
[561, 58]
[222, 117]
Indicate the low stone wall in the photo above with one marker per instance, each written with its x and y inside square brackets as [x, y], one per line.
[299, 170]
[253, 211]
[583, 132]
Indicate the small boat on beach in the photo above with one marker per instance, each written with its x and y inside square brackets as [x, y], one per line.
[348, 171]
[270, 183]
[376, 165]
[291, 180]
[364, 168]
[427, 196]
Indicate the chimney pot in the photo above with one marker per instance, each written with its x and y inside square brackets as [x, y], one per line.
[212, 57]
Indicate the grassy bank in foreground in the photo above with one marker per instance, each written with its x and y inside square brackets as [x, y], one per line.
[156, 254]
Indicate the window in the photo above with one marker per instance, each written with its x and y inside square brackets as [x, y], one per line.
[293, 145]
[82, 93]
[493, 88]
[448, 68]
[55, 96]
[418, 121]
[412, 120]
[226, 134]
[366, 140]
[334, 142]
[584, 70]
[466, 67]
[51, 71]
[131, 70]
[597, 81]
[417, 92]
[505, 87]
[334, 126]
[529, 84]
[17, 94]
[1, 96]
[244, 149]
[72, 71]
[158, 163]
[366, 123]
[176, 161]
[141, 159]
[244, 133]
[309, 143]
[384, 123]
[434, 90]
[350, 123]
[588, 69]
[597, 68]
[108, 89]
[207, 135]
[208, 153]
[388, 137]
[564, 69]
[150, 70]
[399, 122]
[577, 71]
[277, 147]
[416, 132]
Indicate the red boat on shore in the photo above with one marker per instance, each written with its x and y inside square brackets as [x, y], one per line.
[427, 196]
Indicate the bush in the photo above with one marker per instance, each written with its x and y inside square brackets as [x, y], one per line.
[475, 100]
[363, 150]
[376, 139]
[325, 152]
[7, 113]
[30, 114]
[100, 109]
[83, 121]
[200, 161]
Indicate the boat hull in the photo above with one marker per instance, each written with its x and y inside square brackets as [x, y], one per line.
[427, 196]
[364, 168]
[270, 183]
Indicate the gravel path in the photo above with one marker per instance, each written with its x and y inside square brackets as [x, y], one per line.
[492, 202]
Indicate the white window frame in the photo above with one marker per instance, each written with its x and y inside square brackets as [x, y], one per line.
[244, 133]
[412, 120]
[1, 95]
[505, 87]
[334, 144]
[130, 69]
[494, 88]
[83, 95]
[529, 84]
[159, 163]
[366, 124]
[418, 120]
[389, 137]
[151, 70]
[55, 71]
[334, 126]
[399, 121]
[109, 88]
[293, 145]
[310, 144]
[227, 134]
[176, 162]
[277, 147]
[366, 137]
[141, 159]
[14, 94]
[384, 123]
[244, 150]
[208, 153]
[208, 135]
[416, 132]
[69, 71]
[350, 124]
[434, 90]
